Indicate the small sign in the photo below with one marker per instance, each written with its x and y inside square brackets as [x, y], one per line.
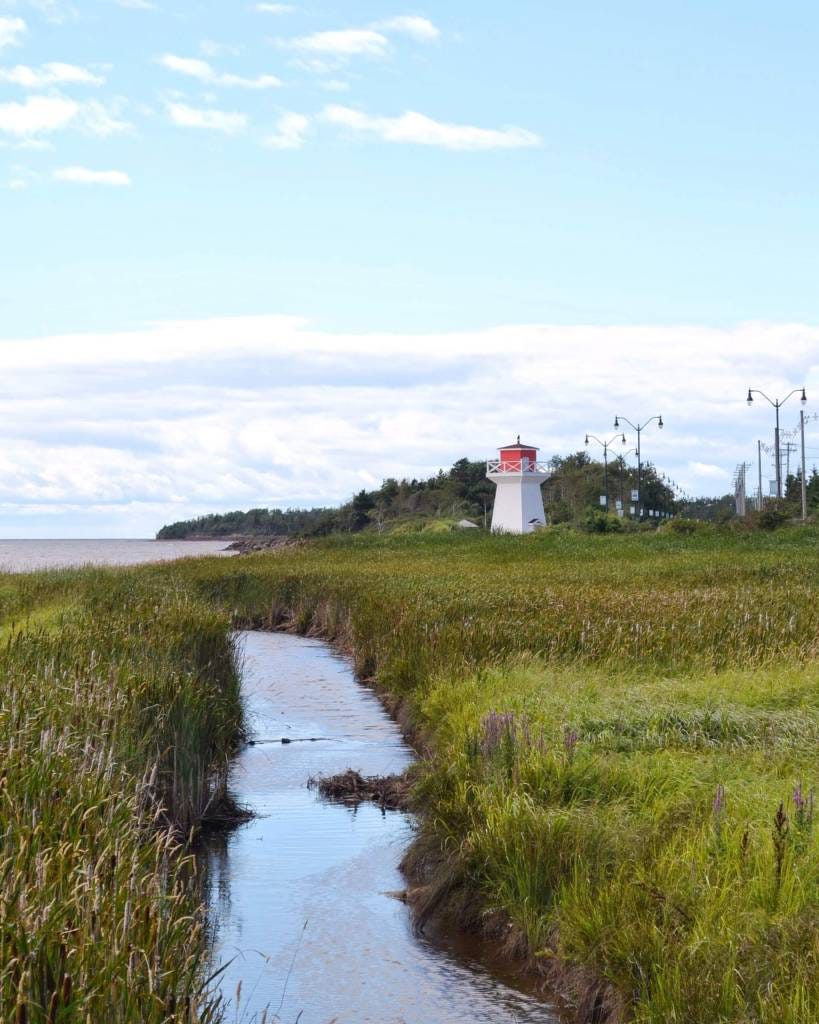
[635, 495]
[632, 510]
[618, 505]
[772, 488]
[603, 500]
[620, 512]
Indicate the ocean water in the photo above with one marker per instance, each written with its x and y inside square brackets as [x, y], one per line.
[27, 555]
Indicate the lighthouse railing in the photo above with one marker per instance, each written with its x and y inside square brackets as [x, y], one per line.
[501, 466]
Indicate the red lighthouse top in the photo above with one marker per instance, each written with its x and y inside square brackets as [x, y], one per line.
[512, 456]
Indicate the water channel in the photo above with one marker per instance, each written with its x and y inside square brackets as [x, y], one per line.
[300, 896]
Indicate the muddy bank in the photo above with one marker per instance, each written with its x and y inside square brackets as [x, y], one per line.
[247, 545]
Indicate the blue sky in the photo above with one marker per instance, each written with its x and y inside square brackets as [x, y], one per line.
[450, 173]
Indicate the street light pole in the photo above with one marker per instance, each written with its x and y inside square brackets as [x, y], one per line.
[621, 458]
[639, 428]
[777, 404]
[605, 446]
[759, 457]
[804, 481]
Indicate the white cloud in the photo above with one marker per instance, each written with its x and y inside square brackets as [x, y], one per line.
[194, 67]
[217, 120]
[102, 120]
[274, 8]
[421, 29]
[412, 127]
[370, 41]
[349, 42]
[56, 11]
[12, 31]
[335, 85]
[42, 115]
[711, 472]
[54, 73]
[84, 176]
[291, 129]
[137, 5]
[37, 115]
[212, 48]
[188, 417]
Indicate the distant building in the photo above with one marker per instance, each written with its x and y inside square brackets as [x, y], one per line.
[517, 475]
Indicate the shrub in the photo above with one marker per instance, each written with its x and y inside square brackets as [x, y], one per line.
[686, 526]
[602, 522]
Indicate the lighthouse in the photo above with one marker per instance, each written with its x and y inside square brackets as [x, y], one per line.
[517, 475]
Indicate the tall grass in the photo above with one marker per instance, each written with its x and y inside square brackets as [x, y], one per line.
[623, 745]
[120, 706]
[622, 737]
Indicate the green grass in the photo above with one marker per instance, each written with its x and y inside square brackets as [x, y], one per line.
[614, 723]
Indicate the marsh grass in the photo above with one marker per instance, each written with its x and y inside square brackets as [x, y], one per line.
[623, 742]
[120, 707]
[622, 758]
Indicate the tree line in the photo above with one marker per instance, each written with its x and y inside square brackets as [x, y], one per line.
[571, 494]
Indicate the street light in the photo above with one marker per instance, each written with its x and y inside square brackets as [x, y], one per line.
[621, 459]
[605, 446]
[640, 427]
[777, 404]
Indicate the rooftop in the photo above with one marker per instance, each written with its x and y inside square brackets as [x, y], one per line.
[517, 444]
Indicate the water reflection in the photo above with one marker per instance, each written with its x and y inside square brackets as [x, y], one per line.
[300, 895]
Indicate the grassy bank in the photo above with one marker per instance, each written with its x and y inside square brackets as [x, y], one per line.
[120, 706]
[623, 746]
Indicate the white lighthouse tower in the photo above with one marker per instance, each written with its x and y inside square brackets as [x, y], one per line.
[517, 476]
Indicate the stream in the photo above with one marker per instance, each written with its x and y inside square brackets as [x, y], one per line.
[300, 898]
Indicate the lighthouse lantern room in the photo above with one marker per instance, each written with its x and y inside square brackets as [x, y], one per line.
[517, 475]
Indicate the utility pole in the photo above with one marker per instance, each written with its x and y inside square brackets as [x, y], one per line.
[789, 447]
[759, 457]
[804, 481]
[739, 488]
[777, 404]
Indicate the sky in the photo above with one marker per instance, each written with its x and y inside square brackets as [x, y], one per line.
[264, 254]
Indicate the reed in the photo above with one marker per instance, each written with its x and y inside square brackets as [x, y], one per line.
[622, 737]
[120, 707]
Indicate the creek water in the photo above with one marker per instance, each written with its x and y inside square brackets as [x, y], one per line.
[300, 896]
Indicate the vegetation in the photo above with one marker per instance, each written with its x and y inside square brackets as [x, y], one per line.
[623, 745]
[572, 494]
[622, 757]
[120, 708]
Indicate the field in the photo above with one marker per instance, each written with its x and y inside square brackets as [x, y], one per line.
[623, 747]
[621, 737]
